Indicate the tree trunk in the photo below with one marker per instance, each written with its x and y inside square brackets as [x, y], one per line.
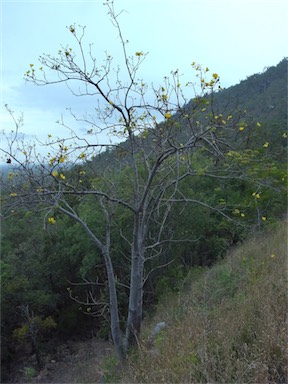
[134, 319]
[117, 336]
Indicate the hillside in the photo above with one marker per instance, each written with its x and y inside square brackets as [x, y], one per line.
[262, 96]
[228, 324]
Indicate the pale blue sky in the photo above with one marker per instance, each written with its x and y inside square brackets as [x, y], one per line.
[235, 38]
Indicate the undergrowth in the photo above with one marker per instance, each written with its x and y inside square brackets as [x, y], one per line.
[228, 325]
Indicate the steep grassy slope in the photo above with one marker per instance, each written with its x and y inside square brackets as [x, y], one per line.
[229, 325]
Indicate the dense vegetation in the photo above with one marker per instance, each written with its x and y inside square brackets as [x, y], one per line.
[46, 270]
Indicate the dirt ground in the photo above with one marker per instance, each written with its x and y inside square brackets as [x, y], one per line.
[74, 362]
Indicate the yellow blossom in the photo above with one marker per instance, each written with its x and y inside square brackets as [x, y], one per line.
[258, 125]
[62, 159]
[264, 218]
[62, 176]
[51, 162]
[82, 155]
[284, 135]
[241, 129]
[229, 117]
[257, 195]
[273, 255]
[215, 75]
[168, 115]
[242, 215]
[51, 220]
[55, 173]
[266, 145]
[13, 194]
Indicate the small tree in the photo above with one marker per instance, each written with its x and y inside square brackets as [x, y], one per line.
[161, 136]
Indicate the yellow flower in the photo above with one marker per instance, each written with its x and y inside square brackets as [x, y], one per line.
[62, 176]
[55, 173]
[242, 215]
[82, 155]
[264, 218]
[167, 115]
[49, 135]
[139, 54]
[62, 159]
[13, 194]
[257, 195]
[51, 220]
[215, 75]
[273, 255]
[229, 117]
[241, 129]
[284, 135]
[258, 125]
[51, 162]
[266, 145]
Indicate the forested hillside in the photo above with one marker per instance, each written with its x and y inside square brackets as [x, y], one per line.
[54, 280]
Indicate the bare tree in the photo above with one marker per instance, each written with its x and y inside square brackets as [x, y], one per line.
[161, 134]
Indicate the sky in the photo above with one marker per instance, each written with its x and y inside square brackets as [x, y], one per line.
[234, 38]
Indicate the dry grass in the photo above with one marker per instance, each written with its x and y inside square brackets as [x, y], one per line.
[230, 324]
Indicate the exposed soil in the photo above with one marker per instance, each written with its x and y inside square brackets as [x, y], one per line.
[73, 362]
